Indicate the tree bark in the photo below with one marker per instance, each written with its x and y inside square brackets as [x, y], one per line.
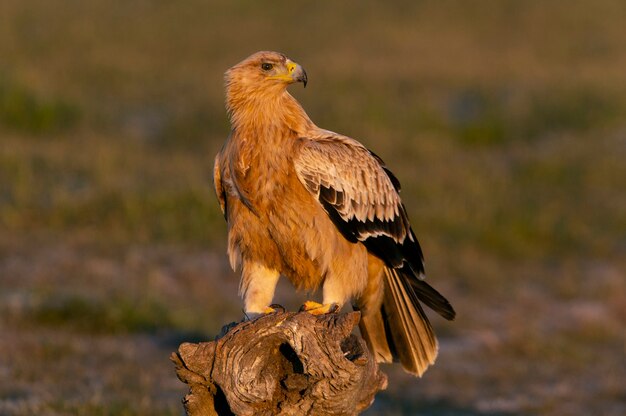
[282, 363]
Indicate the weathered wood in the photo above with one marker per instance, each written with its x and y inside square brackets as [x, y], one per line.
[283, 363]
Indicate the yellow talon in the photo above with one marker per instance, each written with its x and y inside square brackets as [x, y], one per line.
[268, 310]
[315, 308]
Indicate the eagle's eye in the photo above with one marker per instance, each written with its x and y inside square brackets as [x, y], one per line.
[266, 67]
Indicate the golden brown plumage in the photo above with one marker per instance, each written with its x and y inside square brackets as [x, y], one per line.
[321, 210]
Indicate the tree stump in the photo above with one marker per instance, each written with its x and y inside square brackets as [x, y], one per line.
[284, 363]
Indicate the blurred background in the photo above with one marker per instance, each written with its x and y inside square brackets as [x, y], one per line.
[505, 121]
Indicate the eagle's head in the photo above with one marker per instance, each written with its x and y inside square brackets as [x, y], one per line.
[264, 71]
[256, 90]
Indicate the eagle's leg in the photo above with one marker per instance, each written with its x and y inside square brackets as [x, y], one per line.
[258, 283]
[340, 283]
[344, 279]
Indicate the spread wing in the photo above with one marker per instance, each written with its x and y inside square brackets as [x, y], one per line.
[360, 196]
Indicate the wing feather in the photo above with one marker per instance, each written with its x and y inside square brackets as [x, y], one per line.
[360, 195]
[217, 182]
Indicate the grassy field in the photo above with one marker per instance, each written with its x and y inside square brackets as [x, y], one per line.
[504, 120]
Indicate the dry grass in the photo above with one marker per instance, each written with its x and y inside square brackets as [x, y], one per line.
[503, 120]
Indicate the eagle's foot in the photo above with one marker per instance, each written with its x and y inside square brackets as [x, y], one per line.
[315, 308]
[273, 308]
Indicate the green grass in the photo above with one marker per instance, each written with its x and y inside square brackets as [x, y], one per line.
[22, 110]
[115, 315]
[482, 117]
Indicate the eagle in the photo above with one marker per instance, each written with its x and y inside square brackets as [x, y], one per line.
[322, 210]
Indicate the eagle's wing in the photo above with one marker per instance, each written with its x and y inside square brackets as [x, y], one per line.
[360, 195]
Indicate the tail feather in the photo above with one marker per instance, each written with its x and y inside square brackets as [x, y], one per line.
[431, 298]
[400, 330]
[411, 338]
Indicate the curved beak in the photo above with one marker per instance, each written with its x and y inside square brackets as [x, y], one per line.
[297, 73]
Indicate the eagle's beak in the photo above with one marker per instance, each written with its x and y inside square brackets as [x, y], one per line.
[297, 73]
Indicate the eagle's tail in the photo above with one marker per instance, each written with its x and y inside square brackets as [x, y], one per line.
[400, 330]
